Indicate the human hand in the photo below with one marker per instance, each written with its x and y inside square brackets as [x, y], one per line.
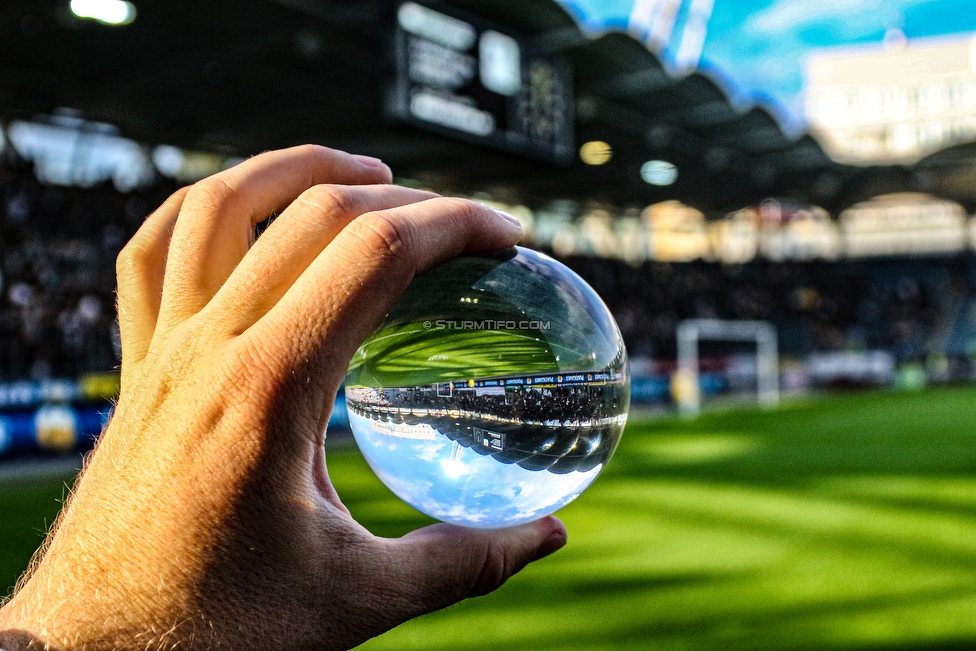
[206, 516]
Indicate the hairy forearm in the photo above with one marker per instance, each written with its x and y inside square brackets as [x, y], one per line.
[71, 600]
[79, 629]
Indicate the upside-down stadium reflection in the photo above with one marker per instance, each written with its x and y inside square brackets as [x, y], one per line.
[558, 422]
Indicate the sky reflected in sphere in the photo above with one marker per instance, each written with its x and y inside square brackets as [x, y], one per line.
[493, 393]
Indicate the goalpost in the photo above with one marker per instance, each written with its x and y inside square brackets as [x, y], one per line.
[686, 387]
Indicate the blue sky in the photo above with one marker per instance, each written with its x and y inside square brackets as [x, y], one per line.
[469, 489]
[755, 48]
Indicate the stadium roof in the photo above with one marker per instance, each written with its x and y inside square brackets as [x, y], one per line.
[242, 76]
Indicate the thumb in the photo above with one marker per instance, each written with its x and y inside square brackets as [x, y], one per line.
[444, 564]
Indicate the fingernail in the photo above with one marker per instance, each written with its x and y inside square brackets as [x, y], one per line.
[509, 218]
[368, 161]
[552, 544]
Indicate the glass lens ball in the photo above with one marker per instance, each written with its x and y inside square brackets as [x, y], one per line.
[494, 392]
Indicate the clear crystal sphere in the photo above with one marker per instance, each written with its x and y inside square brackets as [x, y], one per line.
[494, 392]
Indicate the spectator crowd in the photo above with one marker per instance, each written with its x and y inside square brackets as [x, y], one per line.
[57, 287]
[901, 305]
[57, 272]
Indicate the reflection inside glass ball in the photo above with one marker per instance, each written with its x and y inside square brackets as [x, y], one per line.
[493, 393]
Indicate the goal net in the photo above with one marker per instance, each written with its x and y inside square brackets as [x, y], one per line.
[686, 384]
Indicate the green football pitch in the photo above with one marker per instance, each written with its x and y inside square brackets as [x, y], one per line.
[843, 522]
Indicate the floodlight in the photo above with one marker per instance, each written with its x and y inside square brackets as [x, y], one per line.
[595, 152]
[108, 12]
[659, 172]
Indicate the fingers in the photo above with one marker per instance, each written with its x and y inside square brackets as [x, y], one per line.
[218, 215]
[351, 285]
[293, 241]
[140, 268]
[442, 564]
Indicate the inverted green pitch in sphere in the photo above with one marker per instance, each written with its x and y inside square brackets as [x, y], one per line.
[494, 392]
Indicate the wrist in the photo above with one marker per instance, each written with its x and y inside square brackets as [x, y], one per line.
[87, 619]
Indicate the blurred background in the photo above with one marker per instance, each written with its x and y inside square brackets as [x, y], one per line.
[775, 198]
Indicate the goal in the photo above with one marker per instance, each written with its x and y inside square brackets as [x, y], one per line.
[686, 385]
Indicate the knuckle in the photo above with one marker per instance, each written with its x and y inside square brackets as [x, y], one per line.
[330, 199]
[463, 209]
[208, 194]
[383, 236]
[309, 149]
[131, 258]
[317, 156]
[496, 568]
[151, 241]
[135, 259]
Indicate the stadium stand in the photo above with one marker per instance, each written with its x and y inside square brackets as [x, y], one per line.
[893, 304]
[59, 245]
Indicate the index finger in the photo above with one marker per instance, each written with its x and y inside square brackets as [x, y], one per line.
[217, 217]
[341, 297]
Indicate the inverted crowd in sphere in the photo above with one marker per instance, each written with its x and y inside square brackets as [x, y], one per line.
[493, 393]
